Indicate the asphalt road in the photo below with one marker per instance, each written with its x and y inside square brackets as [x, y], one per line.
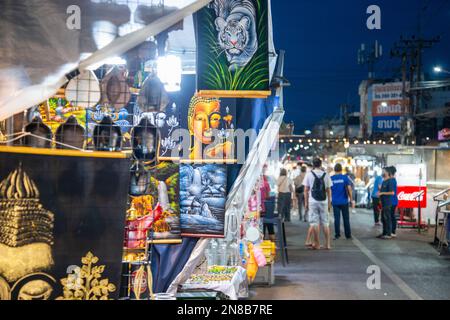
[410, 267]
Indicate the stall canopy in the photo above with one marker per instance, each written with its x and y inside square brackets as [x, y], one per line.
[44, 40]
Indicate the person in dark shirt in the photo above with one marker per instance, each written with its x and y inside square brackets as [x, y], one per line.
[393, 172]
[386, 194]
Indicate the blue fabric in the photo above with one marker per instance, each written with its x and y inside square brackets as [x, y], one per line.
[394, 197]
[167, 261]
[376, 186]
[387, 186]
[339, 193]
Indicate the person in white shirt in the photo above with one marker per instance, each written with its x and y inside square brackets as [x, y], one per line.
[285, 191]
[318, 203]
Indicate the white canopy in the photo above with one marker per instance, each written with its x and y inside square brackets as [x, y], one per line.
[38, 49]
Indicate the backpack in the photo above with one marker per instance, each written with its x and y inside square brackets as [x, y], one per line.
[318, 190]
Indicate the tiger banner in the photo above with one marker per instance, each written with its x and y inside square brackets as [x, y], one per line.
[62, 217]
[233, 49]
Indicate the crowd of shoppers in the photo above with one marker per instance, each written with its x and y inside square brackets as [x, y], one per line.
[317, 193]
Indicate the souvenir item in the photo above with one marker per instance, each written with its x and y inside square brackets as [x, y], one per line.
[252, 266]
[207, 125]
[259, 257]
[203, 197]
[135, 281]
[140, 179]
[145, 141]
[252, 234]
[115, 90]
[165, 188]
[70, 133]
[166, 122]
[83, 90]
[41, 134]
[153, 97]
[56, 111]
[107, 136]
[43, 237]
[233, 51]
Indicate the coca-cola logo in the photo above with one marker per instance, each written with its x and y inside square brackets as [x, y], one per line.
[414, 196]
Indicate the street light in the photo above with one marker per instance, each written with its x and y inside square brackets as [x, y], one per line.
[438, 69]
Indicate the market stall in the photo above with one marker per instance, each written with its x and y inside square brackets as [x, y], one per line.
[154, 146]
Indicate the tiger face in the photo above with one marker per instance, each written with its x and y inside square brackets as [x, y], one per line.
[233, 34]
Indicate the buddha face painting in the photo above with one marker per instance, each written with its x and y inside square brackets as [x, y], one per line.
[204, 117]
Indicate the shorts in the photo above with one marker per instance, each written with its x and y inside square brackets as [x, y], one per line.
[318, 214]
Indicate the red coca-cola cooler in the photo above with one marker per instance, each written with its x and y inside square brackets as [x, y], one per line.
[411, 194]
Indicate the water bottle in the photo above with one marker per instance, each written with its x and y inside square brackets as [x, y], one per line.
[214, 247]
[223, 254]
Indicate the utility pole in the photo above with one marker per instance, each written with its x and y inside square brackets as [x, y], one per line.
[368, 55]
[410, 50]
[345, 116]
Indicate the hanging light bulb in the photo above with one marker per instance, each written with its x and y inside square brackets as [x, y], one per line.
[169, 71]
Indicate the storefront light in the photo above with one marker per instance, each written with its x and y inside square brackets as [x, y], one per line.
[169, 71]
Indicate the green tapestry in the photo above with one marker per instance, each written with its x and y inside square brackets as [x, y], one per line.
[233, 51]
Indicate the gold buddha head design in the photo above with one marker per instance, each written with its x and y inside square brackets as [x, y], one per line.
[203, 117]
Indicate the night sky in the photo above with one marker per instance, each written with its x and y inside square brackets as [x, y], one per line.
[321, 39]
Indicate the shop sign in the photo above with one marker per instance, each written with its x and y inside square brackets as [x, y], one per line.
[233, 49]
[444, 134]
[389, 108]
[386, 124]
[388, 91]
[409, 196]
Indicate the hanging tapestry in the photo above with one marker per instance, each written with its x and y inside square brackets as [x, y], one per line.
[233, 51]
[62, 217]
[202, 199]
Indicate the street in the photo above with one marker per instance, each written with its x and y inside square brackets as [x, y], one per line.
[410, 266]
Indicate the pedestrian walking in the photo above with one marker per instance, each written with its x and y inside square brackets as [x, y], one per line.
[300, 192]
[341, 192]
[285, 192]
[318, 203]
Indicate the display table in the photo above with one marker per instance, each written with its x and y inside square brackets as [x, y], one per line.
[229, 287]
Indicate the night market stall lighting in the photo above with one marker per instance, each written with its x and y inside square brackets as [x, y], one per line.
[169, 70]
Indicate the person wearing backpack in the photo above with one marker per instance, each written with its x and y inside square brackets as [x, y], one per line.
[318, 202]
[341, 192]
[299, 192]
[285, 190]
